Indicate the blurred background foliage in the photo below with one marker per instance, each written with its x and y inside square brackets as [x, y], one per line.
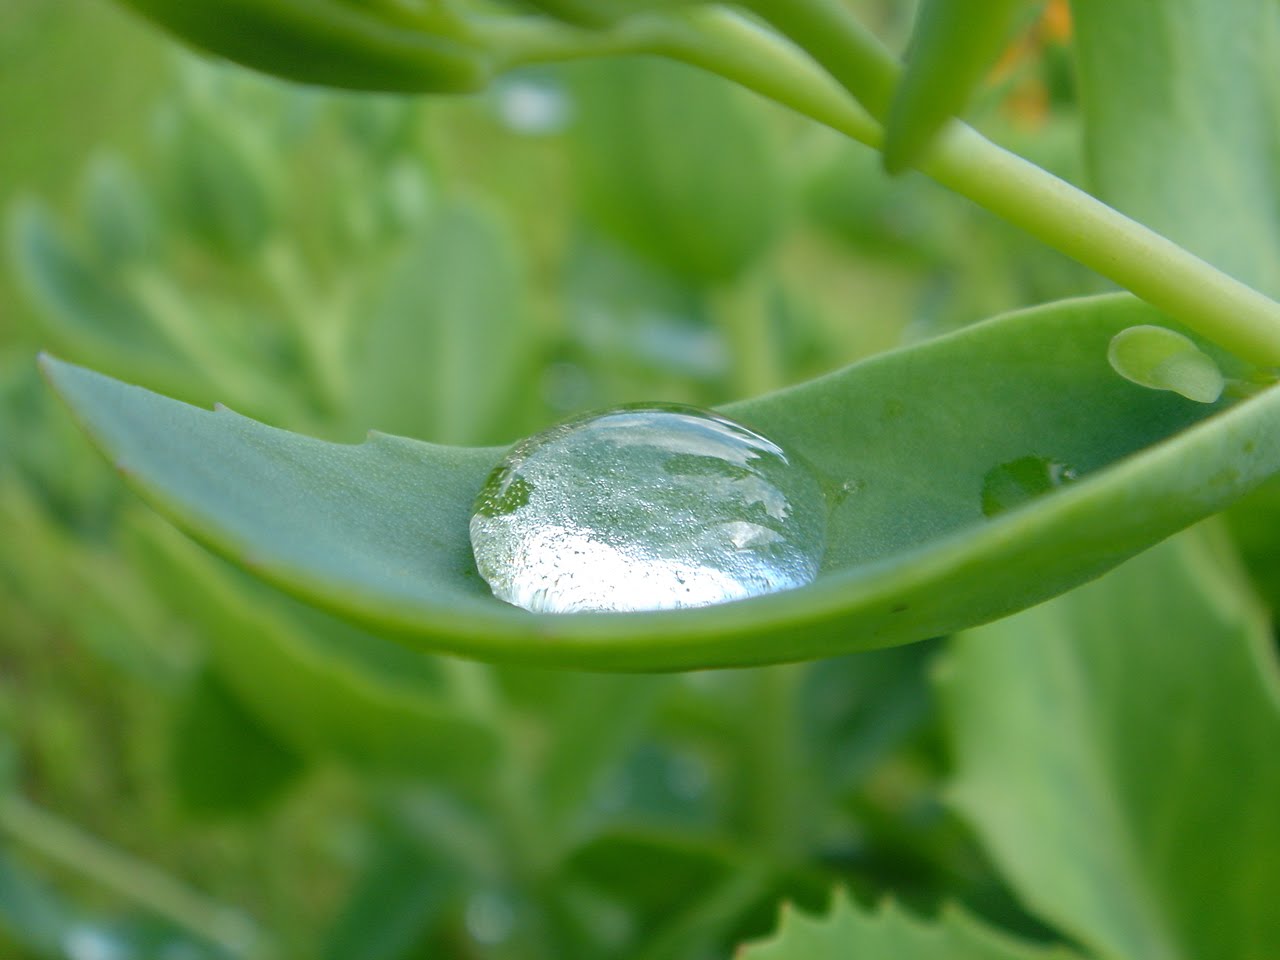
[192, 765]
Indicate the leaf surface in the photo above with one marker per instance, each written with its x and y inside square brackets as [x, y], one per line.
[1116, 751]
[378, 532]
[1182, 116]
[849, 932]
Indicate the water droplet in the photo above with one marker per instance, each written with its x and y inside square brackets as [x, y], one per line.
[1014, 483]
[647, 507]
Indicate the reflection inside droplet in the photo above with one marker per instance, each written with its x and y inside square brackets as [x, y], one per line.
[1014, 483]
[647, 507]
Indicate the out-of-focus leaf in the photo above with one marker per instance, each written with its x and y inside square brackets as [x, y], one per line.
[1115, 749]
[119, 211]
[1254, 523]
[321, 687]
[225, 763]
[396, 901]
[222, 190]
[379, 532]
[1182, 115]
[954, 45]
[601, 13]
[677, 166]
[328, 42]
[39, 919]
[446, 337]
[655, 875]
[850, 932]
[857, 709]
[589, 728]
[637, 320]
[80, 297]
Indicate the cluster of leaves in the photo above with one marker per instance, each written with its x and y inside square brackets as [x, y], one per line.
[309, 260]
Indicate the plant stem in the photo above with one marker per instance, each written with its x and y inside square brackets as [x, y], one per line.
[1157, 270]
[137, 881]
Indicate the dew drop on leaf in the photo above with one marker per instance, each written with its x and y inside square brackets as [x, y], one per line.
[647, 507]
[1163, 359]
[1014, 483]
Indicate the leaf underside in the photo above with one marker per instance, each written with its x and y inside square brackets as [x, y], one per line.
[378, 532]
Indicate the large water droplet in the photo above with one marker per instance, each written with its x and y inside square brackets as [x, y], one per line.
[1014, 483]
[647, 507]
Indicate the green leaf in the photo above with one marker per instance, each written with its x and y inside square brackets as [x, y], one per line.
[119, 211]
[399, 897]
[1159, 358]
[222, 189]
[678, 166]
[1182, 116]
[1115, 748]
[953, 47]
[80, 297]
[447, 326]
[379, 532]
[601, 13]
[327, 42]
[323, 688]
[850, 932]
[225, 763]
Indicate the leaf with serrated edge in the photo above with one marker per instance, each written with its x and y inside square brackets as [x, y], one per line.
[849, 932]
[378, 532]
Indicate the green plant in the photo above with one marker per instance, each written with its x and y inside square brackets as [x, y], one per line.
[915, 446]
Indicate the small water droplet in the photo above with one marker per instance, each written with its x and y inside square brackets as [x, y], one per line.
[1014, 483]
[647, 507]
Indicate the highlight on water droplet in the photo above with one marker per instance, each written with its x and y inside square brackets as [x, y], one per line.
[1014, 483]
[1164, 359]
[647, 507]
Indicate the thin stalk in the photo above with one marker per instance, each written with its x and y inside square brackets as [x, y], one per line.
[742, 310]
[772, 770]
[129, 878]
[1190, 290]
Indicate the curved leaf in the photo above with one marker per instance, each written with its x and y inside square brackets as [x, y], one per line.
[360, 705]
[890, 933]
[1116, 748]
[378, 532]
[954, 45]
[326, 42]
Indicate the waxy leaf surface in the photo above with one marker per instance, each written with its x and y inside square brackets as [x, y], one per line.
[1116, 748]
[378, 532]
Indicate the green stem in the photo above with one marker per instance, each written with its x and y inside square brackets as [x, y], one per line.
[828, 32]
[1157, 270]
[772, 770]
[139, 882]
[742, 310]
